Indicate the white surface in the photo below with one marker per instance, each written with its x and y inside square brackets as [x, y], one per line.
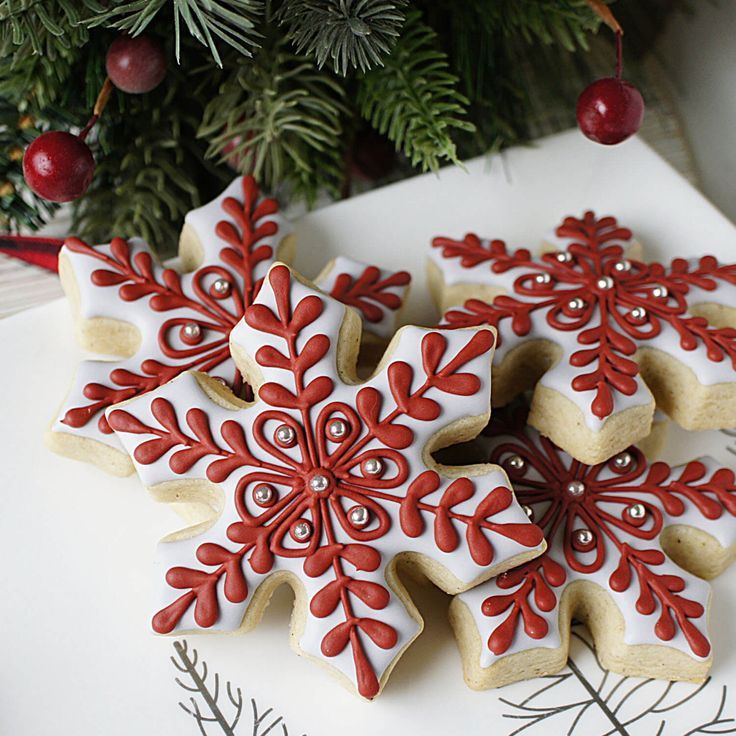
[77, 545]
[699, 55]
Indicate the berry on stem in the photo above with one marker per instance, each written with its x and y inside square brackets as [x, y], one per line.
[610, 110]
[136, 64]
[58, 166]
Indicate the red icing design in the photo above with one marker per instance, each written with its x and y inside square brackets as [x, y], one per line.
[136, 279]
[246, 231]
[369, 292]
[603, 507]
[319, 480]
[609, 335]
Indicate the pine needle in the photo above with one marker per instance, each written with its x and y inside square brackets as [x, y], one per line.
[413, 98]
[353, 34]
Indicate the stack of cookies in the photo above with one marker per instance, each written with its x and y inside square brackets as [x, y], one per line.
[237, 393]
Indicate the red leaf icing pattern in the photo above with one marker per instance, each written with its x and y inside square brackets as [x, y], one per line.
[369, 292]
[210, 317]
[298, 464]
[611, 303]
[192, 320]
[622, 505]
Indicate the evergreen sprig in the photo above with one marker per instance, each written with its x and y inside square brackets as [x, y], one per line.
[445, 80]
[231, 21]
[353, 34]
[413, 98]
[47, 28]
[16, 132]
[151, 168]
[279, 118]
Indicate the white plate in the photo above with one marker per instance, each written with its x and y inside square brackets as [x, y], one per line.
[76, 545]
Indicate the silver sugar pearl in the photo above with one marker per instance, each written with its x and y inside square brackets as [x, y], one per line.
[583, 537]
[604, 282]
[637, 511]
[575, 488]
[191, 331]
[563, 256]
[542, 278]
[301, 531]
[576, 304]
[622, 266]
[638, 313]
[337, 429]
[622, 460]
[359, 516]
[372, 466]
[263, 494]
[319, 483]
[660, 292]
[285, 435]
[221, 287]
[516, 462]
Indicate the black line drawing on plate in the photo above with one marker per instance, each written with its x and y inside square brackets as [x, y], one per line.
[731, 434]
[612, 696]
[218, 710]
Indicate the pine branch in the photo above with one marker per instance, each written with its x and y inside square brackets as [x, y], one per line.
[278, 117]
[413, 98]
[16, 132]
[229, 21]
[352, 33]
[509, 54]
[150, 168]
[47, 28]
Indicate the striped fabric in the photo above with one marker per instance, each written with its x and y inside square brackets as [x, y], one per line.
[23, 285]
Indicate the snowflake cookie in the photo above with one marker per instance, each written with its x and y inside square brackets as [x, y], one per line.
[163, 322]
[625, 540]
[598, 333]
[377, 294]
[323, 482]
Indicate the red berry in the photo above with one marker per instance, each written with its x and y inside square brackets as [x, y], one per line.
[136, 65]
[58, 166]
[232, 159]
[610, 110]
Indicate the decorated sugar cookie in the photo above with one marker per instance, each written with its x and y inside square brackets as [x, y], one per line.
[625, 539]
[325, 483]
[162, 321]
[377, 294]
[598, 333]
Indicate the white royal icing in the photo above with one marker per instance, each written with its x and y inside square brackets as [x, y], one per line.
[386, 326]
[185, 393]
[560, 376]
[639, 628]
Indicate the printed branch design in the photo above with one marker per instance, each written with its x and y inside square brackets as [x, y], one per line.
[208, 703]
[611, 696]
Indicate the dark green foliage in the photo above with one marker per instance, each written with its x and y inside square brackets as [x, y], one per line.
[50, 28]
[150, 171]
[413, 98]
[280, 88]
[16, 132]
[208, 21]
[280, 117]
[353, 34]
